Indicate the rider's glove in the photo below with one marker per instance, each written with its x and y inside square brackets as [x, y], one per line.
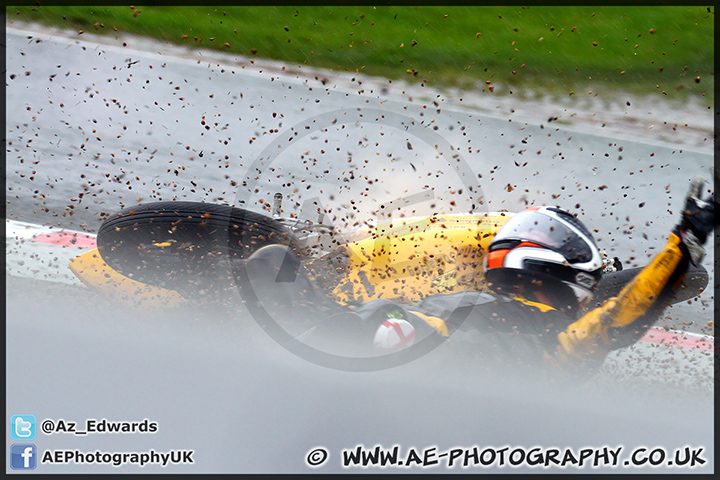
[697, 222]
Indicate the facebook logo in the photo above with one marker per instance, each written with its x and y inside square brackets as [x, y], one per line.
[23, 456]
[23, 427]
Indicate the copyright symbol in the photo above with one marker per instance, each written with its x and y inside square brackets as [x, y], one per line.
[48, 427]
[317, 457]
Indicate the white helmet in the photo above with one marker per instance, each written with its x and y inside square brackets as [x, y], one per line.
[548, 247]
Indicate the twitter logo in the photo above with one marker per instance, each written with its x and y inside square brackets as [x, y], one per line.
[23, 427]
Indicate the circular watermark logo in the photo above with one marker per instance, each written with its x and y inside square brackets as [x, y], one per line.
[401, 132]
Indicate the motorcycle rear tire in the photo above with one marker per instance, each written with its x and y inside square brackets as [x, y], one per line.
[179, 245]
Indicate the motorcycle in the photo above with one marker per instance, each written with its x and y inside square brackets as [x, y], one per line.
[171, 253]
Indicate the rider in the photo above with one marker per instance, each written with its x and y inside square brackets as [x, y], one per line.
[541, 269]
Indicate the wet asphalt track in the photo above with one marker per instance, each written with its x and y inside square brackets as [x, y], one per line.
[102, 126]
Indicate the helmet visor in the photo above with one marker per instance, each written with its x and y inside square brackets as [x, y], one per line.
[536, 227]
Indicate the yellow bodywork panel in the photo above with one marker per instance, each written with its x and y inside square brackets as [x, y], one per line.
[403, 260]
[100, 277]
[407, 260]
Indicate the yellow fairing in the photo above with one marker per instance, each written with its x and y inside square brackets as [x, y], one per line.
[591, 333]
[97, 275]
[407, 260]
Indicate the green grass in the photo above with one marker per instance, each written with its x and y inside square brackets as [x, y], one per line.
[665, 51]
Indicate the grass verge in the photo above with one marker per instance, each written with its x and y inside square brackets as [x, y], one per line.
[560, 50]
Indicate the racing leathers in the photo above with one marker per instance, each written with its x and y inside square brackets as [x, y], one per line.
[488, 326]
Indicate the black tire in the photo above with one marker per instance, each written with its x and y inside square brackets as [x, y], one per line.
[695, 282]
[185, 245]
